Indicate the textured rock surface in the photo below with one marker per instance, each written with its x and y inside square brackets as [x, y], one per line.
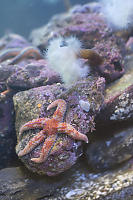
[116, 184]
[89, 91]
[18, 183]
[112, 68]
[84, 101]
[13, 41]
[89, 27]
[108, 153]
[118, 98]
[8, 43]
[65, 151]
[7, 133]
[32, 74]
[27, 75]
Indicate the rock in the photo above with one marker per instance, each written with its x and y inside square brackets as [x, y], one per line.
[7, 130]
[13, 41]
[91, 29]
[89, 7]
[118, 104]
[5, 72]
[7, 134]
[27, 75]
[108, 153]
[91, 91]
[129, 45]
[66, 151]
[2, 86]
[112, 68]
[115, 184]
[18, 183]
[32, 74]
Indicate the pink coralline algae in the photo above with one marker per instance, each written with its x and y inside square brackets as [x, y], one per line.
[91, 28]
[50, 128]
[66, 150]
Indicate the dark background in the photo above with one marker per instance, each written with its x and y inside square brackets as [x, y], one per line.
[21, 16]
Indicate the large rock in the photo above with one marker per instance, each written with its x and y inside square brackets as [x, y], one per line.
[7, 133]
[116, 184]
[84, 101]
[32, 74]
[118, 103]
[89, 27]
[108, 153]
[13, 41]
[18, 183]
[27, 73]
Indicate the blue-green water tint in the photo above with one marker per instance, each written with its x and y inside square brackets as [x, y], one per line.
[21, 16]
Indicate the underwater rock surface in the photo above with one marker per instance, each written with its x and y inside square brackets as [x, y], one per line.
[27, 75]
[108, 153]
[92, 30]
[32, 74]
[88, 91]
[7, 133]
[76, 183]
[116, 184]
[66, 151]
[13, 41]
[106, 171]
[18, 183]
[22, 66]
[118, 103]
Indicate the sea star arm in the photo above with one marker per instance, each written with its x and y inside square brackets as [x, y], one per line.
[32, 143]
[35, 123]
[25, 53]
[71, 131]
[5, 93]
[61, 108]
[45, 151]
[9, 53]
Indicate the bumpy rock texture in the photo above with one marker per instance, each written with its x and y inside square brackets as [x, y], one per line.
[13, 41]
[27, 73]
[108, 153]
[106, 171]
[118, 104]
[116, 184]
[32, 74]
[90, 28]
[18, 183]
[7, 133]
[65, 151]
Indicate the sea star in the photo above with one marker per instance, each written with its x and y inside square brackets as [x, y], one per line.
[27, 52]
[20, 54]
[50, 128]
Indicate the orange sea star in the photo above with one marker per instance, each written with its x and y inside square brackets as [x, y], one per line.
[50, 128]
